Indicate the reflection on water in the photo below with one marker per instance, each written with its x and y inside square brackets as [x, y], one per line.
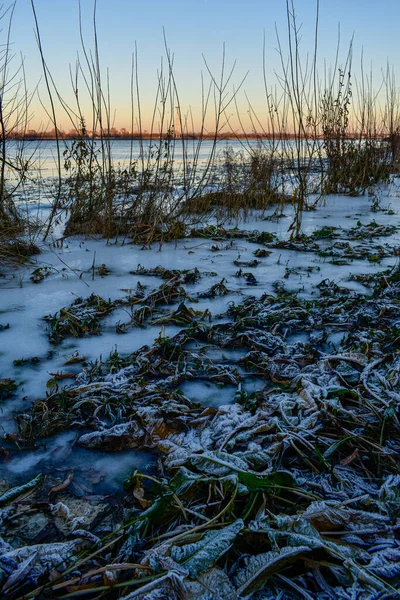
[42, 155]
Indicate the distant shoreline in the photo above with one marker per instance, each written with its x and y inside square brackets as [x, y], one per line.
[147, 136]
[30, 137]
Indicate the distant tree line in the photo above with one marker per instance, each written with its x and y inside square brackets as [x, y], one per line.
[124, 134]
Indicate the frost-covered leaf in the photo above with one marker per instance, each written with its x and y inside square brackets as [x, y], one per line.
[298, 532]
[200, 556]
[260, 567]
[257, 457]
[221, 464]
[158, 510]
[123, 436]
[218, 463]
[389, 495]
[170, 586]
[324, 516]
[212, 585]
[333, 447]
[22, 570]
[183, 480]
[329, 515]
[17, 491]
[386, 563]
[40, 558]
[254, 481]
[365, 576]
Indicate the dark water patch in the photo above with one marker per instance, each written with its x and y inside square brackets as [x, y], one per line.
[93, 471]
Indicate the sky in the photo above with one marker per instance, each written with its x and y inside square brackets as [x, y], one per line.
[196, 32]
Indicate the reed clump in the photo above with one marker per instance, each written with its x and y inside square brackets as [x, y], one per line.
[15, 249]
[354, 163]
[15, 246]
[247, 181]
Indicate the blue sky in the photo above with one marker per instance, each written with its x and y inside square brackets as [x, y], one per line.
[194, 28]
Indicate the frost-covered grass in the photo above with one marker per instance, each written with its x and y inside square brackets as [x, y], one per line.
[246, 386]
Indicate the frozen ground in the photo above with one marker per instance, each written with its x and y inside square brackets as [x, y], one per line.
[197, 419]
[75, 270]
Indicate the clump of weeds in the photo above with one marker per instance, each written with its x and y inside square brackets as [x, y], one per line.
[81, 318]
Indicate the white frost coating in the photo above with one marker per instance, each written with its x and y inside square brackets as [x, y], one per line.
[120, 437]
[23, 304]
